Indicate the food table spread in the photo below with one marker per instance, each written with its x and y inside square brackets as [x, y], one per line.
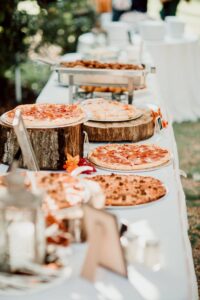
[167, 217]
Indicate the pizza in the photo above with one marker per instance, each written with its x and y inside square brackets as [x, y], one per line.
[94, 64]
[130, 190]
[39, 115]
[129, 157]
[61, 189]
[109, 110]
[64, 191]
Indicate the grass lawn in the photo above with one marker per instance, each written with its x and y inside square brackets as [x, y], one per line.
[187, 136]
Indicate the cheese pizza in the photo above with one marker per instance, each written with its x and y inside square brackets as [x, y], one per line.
[46, 115]
[129, 157]
[130, 190]
[109, 110]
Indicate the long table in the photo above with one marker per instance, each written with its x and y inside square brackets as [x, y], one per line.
[176, 279]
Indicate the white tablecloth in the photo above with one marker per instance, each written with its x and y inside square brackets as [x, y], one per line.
[178, 69]
[176, 279]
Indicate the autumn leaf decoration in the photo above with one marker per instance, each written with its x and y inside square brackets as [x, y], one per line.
[74, 162]
[71, 163]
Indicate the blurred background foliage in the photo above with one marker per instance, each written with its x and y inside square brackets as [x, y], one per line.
[29, 26]
[61, 22]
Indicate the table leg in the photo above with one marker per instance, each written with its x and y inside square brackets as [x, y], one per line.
[71, 84]
[130, 91]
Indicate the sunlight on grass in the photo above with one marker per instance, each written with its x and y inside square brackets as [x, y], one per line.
[188, 141]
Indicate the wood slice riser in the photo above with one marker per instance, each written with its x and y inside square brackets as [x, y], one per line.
[49, 145]
[131, 131]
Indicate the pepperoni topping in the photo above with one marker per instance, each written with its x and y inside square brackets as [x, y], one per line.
[47, 111]
[129, 154]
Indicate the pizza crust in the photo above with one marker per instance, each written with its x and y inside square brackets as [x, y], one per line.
[129, 167]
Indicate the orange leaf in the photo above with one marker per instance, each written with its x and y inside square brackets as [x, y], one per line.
[74, 159]
[71, 162]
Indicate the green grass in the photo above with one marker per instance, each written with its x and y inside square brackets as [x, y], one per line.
[188, 140]
[187, 136]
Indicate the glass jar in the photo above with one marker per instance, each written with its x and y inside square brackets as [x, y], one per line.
[22, 226]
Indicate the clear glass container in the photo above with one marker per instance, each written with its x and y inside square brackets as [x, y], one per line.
[22, 226]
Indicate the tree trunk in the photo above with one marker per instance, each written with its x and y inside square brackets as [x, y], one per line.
[50, 145]
[130, 131]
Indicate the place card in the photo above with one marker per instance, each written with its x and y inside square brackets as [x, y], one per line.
[104, 247]
[24, 142]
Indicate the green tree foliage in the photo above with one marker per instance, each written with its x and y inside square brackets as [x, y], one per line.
[61, 22]
[16, 29]
[58, 22]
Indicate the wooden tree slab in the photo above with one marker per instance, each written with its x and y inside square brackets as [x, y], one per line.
[132, 131]
[49, 145]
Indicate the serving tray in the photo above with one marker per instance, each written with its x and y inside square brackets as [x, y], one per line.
[87, 76]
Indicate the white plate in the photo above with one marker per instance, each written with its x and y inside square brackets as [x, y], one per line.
[169, 162]
[143, 205]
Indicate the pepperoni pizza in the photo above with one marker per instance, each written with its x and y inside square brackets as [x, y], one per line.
[46, 115]
[129, 157]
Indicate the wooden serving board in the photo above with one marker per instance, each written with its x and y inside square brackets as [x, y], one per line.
[130, 131]
[49, 145]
